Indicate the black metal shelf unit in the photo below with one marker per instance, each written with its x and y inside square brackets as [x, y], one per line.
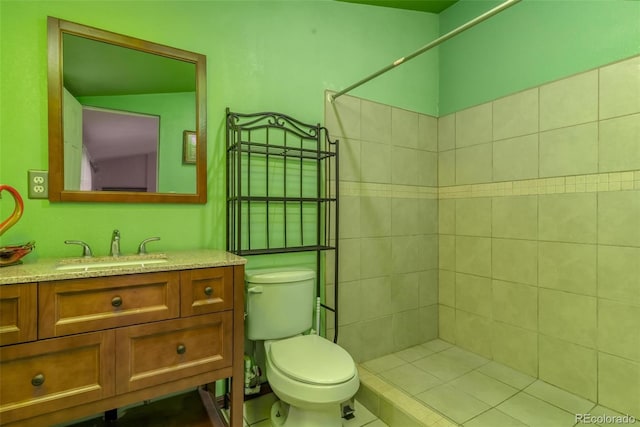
[282, 189]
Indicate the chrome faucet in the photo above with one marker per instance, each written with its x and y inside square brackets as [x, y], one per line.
[115, 243]
[86, 250]
[142, 248]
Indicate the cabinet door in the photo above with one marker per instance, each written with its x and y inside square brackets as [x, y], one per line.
[84, 305]
[54, 374]
[206, 290]
[160, 352]
[18, 313]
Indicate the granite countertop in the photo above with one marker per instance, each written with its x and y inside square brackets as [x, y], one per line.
[44, 270]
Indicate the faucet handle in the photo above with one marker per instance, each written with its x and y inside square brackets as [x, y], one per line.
[115, 244]
[86, 250]
[142, 248]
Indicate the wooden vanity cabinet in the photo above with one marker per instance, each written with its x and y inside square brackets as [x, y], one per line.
[206, 290]
[107, 342]
[159, 352]
[18, 313]
[44, 376]
[82, 305]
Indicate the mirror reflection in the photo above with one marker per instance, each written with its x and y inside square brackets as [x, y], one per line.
[126, 102]
[119, 152]
[124, 108]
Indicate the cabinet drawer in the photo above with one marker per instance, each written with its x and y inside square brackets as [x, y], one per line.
[156, 353]
[54, 374]
[206, 290]
[83, 305]
[18, 313]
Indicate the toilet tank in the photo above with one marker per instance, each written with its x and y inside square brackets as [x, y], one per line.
[279, 302]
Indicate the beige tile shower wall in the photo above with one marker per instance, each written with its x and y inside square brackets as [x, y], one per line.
[388, 268]
[539, 232]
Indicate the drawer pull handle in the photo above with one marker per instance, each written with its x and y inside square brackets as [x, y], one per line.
[116, 301]
[208, 290]
[38, 380]
[182, 349]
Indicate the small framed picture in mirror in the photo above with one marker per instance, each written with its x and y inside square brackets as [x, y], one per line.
[189, 147]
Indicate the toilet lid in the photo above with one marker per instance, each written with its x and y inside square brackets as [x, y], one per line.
[312, 359]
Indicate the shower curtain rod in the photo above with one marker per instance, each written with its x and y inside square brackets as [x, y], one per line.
[429, 46]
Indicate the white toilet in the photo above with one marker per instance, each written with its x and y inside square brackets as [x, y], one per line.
[310, 375]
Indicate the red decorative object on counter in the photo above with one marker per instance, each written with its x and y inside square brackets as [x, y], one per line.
[10, 255]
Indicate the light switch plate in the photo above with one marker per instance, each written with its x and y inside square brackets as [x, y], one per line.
[38, 184]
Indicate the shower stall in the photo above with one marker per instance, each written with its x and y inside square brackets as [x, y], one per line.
[489, 267]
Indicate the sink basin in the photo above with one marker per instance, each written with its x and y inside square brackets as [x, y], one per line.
[86, 264]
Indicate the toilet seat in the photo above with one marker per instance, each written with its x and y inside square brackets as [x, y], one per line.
[312, 359]
[309, 393]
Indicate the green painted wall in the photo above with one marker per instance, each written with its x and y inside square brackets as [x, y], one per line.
[532, 42]
[282, 55]
[275, 55]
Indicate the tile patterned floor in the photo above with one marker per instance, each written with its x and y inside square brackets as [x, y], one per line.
[468, 390]
[258, 410]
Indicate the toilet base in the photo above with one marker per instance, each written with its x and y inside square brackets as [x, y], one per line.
[283, 414]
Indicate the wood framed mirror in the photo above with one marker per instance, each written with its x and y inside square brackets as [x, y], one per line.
[120, 112]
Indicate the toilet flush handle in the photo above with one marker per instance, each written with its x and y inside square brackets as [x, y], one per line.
[255, 290]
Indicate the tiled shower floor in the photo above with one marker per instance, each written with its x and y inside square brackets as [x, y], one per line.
[436, 379]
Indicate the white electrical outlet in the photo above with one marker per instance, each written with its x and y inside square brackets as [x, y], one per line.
[38, 184]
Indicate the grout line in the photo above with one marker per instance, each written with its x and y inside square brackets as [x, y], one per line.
[538, 335]
[597, 225]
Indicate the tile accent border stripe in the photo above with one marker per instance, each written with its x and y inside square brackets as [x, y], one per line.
[394, 191]
[592, 183]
